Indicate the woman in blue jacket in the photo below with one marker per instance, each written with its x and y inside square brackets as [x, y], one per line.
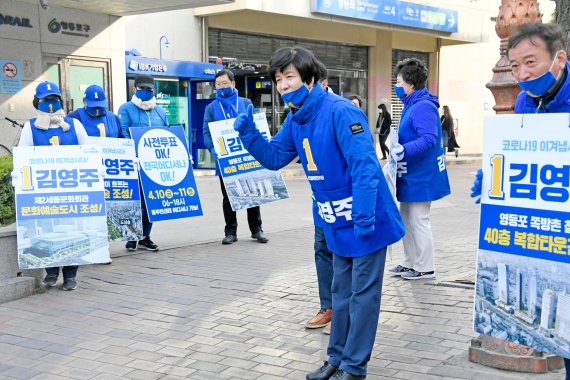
[422, 176]
[332, 139]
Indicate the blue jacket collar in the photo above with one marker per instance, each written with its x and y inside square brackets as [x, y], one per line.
[418, 95]
[310, 107]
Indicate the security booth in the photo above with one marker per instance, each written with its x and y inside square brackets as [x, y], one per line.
[183, 89]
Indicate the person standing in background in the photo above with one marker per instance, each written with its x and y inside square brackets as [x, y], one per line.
[142, 111]
[52, 128]
[228, 105]
[422, 176]
[447, 132]
[383, 124]
[96, 119]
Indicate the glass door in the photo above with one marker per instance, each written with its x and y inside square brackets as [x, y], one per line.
[74, 75]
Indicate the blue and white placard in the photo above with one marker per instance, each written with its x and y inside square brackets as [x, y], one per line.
[168, 183]
[523, 262]
[60, 206]
[248, 184]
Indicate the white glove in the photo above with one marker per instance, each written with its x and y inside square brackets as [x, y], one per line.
[397, 152]
[102, 171]
[136, 163]
[16, 178]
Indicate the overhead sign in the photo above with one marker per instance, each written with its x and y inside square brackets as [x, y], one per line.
[391, 12]
[157, 67]
[10, 77]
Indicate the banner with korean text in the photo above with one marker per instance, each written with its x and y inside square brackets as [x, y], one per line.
[248, 184]
[523, 264]
[122, 195]
[167, 179]
[60, 206]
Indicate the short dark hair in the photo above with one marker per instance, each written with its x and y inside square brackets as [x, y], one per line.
[352, 97]
[229, 73]
[324, 73]
[144, 80]
[551, 34]
[413, 71]
[302, 59]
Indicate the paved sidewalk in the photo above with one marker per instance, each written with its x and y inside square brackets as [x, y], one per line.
[201, 310]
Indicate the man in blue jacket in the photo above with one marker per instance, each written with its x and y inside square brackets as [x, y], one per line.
[359, 217]
[227, 106]
[540, 65]
[142, 111]
[96, 119]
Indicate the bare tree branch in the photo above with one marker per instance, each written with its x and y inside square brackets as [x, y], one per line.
[563, 18]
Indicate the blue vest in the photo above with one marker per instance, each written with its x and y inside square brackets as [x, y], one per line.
[46, 138]
[90, 123]
[340, 194]
[424, 178]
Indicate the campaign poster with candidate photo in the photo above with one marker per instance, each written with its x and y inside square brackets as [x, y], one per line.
[122, 195]
[60, 206]
[523, 265]
[248, 184]
[167, 179]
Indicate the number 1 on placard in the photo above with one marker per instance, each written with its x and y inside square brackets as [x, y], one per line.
[497, 169]
[222, 145]
[27, 184]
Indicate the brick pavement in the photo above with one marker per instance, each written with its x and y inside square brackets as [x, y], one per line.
[204, 311]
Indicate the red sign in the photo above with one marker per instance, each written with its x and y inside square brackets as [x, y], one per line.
[10, 70]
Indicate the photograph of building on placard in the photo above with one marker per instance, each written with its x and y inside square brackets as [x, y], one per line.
[62, 241]
[124, 220]
[523, 300]
[255, 188]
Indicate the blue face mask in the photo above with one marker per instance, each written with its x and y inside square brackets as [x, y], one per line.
[539, 86]
[144, 95]
[295, 99]
[224, 92]
[400, 92]
[96, 111]
[50, 105]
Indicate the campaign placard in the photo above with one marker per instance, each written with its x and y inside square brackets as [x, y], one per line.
[248, 184]
[122, 195]
[523, 263]
[167, 179]
[60, 206]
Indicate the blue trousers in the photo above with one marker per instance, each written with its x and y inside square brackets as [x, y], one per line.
[324, 265]
[68, 271]
[356, 294]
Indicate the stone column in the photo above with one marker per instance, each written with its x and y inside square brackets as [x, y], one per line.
[484, 349]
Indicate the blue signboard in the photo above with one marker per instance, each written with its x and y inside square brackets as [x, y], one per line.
[183, 69]
[391, 12]
[168, 183]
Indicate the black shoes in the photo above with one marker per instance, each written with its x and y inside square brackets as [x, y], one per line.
[131, 245]
[147, 244]
[229, 239]
[50, 280]
[69, 284]
[323, 373]
[260, 237]
[343, 375]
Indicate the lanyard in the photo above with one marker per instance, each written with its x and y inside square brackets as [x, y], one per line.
[224, 111]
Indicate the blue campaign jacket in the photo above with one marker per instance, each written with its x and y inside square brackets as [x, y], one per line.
[213, 112]
[422, 176]
[132, 116]
[110, 121]
[331, 137]
[43, 137]
[560, 104]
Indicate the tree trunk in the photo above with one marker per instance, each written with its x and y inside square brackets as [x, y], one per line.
[563, 18]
